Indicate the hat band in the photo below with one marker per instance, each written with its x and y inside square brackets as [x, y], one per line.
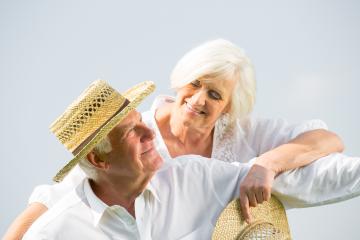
[88, 139]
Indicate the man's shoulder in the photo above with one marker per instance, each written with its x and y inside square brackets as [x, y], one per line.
[186, 162]
[193, 161]
[188, 166]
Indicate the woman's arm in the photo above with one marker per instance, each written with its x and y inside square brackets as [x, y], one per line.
[330, 179]
[22, 223]
[301, 151]
[298, 152]
[43, 198]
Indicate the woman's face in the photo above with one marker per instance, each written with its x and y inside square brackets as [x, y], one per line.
[200, 103]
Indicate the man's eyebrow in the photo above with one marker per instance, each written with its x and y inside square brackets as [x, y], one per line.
[139, 116]
[126, 129]
[129, 126]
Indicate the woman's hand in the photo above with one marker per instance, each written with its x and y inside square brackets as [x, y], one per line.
[300, 151]
[255, 188]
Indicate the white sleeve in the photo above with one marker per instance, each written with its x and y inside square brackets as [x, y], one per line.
[49, 194]
[226, 179]
[266, 134]
[35, 236]
[330, 179]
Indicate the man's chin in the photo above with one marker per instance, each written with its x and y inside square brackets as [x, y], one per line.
[155, 163]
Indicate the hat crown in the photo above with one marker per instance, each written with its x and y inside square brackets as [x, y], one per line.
[92, 109]
[269, 222]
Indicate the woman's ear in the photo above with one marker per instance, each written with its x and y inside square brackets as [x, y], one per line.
[227, 108]
[97, 161]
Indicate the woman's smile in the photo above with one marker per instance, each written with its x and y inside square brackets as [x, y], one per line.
[192, 110]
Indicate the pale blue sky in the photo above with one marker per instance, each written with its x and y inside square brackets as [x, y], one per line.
[306, 54]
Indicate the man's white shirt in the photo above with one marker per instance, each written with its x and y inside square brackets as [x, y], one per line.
[182, 201]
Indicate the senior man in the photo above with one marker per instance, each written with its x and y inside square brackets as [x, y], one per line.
[129, 193]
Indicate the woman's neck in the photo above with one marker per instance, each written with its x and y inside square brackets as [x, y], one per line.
[181, 139]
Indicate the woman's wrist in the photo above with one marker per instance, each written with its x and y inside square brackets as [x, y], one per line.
[267, 164]
[285, 157]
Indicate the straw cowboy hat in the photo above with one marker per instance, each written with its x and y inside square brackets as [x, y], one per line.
[269, 223]
[92, 116]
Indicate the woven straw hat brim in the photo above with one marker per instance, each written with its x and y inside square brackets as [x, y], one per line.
[269, 222]
[135, 95]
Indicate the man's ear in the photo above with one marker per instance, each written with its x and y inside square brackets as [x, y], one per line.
[95, 160]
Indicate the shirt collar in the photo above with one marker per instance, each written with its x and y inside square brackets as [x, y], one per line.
[152, 191]
[98, 207]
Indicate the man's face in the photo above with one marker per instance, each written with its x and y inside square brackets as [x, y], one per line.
[133, 152]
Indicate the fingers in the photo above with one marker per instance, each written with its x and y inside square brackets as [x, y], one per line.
[245, 208]
[259, 195]
[252, 199]
[255, 189]
[266, 193]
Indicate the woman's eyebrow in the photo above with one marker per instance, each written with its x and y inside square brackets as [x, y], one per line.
[213, 86]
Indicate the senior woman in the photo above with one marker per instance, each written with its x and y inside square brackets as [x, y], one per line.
[210, 116]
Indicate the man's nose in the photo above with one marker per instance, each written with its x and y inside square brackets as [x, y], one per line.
[147, 134]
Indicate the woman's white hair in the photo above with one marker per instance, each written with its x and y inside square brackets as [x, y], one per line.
[103, 147]
[220, 60]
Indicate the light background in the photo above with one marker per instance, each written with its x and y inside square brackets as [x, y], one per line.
[306, 54]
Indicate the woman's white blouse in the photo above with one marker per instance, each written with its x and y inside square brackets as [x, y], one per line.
[239, 142]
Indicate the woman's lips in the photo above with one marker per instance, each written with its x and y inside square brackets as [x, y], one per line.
[193, 110]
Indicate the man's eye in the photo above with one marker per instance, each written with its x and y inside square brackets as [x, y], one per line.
[214, 95]
[131, 131]
[196, 83]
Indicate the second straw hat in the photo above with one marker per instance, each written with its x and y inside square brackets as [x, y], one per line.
[269, 222]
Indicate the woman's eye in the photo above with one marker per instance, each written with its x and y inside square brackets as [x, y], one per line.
[214, 95]
[196, 83]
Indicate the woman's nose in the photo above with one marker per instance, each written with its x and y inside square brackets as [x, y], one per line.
[199, 98]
